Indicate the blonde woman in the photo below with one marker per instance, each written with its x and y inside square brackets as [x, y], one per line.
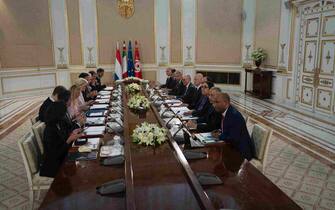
[82, 83]
[74, 108]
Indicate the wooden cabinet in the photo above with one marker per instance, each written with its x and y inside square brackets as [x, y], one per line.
[262, 83]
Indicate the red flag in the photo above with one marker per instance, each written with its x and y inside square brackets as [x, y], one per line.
[138, 71]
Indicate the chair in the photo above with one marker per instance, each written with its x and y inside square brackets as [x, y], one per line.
[29, 154]
[38, 129]
[34, 120]
[261, 136]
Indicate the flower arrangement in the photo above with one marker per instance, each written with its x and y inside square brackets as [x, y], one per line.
[133, 88]
[149, 134]
[138, 102]
[258, 55]
[129, 80]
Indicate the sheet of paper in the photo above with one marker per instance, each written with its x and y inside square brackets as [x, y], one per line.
[95, 130]
[102, 101]
[181, 109]
[99, 106]
[206, 137]
[110, 151]
[109, 88]
[95, 120]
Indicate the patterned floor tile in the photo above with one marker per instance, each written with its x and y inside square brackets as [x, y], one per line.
[287, 191]
[6, 176]
[329, 204]
[282, 160]
[305, 198]
[296, 170]
[310, 189]
[330, 186]
[320, 168]
[2, 187]
[305, 206]
[280, 166]
[300, 164]
[293, 176]
[7, 193]
[273, 179]
[274, 172]
[14, 201]
[288, 156]
[304, 158]
[317, 175]
[329, 194]
[314, 181]
[288, 183]
[331, 178]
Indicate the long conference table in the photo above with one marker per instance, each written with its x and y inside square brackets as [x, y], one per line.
[161, 178]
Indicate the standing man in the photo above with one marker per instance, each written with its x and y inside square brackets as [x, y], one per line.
[233, 127]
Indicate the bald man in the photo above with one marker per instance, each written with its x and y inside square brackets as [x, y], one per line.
[233, 127]
[198, 81]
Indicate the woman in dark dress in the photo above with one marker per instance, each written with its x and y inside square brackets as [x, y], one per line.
[58, 137]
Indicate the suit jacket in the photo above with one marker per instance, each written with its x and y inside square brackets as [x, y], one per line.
[170, 83]
[202, 107]
[99, 85]
[196, 99]
[235, 131]
[43, 109]
[178, 90]
[55, 147]
[189, 93]
[210, 121]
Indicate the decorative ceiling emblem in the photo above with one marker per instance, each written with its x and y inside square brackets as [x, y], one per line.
[126, 8]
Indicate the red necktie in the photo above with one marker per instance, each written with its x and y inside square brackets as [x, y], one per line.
[222, 123]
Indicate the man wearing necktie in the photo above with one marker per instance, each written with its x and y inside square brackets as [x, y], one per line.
[198, 81]
[190, 90]
[170, 80]
[179, 88]
[233, 127]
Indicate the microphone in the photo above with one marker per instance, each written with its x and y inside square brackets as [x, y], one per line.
[167, 109]
[175, 115]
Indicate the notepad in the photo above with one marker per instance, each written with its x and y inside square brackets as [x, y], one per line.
[173, 101]
[181, 109]
[96, 113]
[103, 97]
[99, 106]
[110, 151]
[206, 137]
[95, 120]
[104, 92]
[109, 88]
[94, 130]
[102, 101]
[91, 143]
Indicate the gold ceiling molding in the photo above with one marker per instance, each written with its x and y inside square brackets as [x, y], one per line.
[126, 8]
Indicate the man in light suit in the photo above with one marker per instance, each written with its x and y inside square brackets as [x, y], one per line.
[233, 127]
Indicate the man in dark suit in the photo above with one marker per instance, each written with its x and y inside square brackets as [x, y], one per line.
[170, 80]
[57, 95]
[100, 74]
[211, 119]
[190, 90]
[198, 81]
[233, 127]
[179, 88]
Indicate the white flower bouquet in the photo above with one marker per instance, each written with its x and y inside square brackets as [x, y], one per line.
[133, 88]
[138, 103]
[149, 134]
